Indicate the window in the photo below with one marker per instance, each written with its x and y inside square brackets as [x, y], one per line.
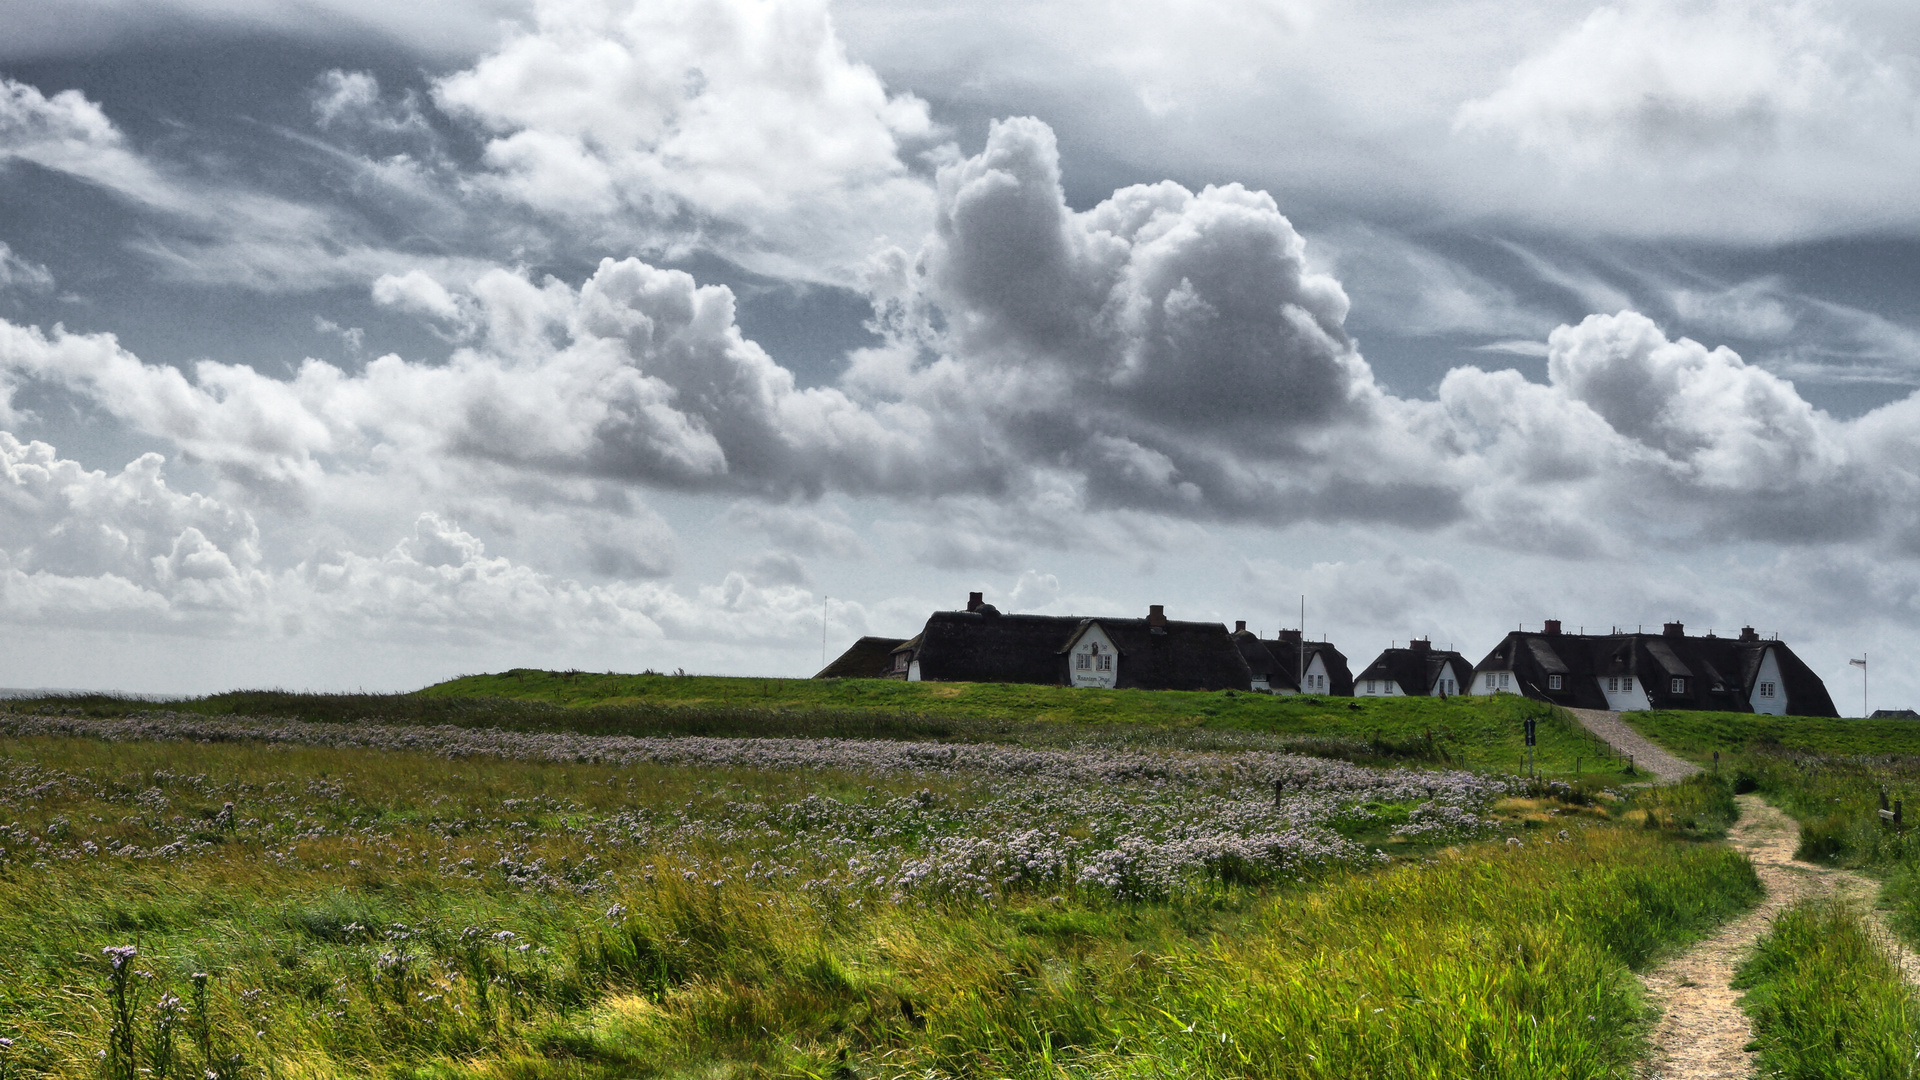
[1679, 686]
[1613, 684]
[1766, 689]
[1106, 661]
[1083, 662]
[1554, 682]
[1503, 680]
[1369, 686]
[1626, 684]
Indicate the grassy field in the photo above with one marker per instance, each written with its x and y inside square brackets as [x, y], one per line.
[1468, 732]
[707, 907]
[1696, 735]
[1827, 1001]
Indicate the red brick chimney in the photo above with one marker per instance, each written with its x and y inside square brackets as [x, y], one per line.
[1420, 644]
[1748, 633]
[1157, 615]
[1674, 629]
[1239, 626]
[1553, 626]
[974, 600]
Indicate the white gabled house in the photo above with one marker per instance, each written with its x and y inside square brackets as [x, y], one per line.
[1419, 670]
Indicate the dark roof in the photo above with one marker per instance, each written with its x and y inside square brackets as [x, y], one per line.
[1169, 655]
[1279, 660]
[1895, 714]
[1718, 672]
[868, 658]
[969, 646]
[1417, 669]
[1261, 664]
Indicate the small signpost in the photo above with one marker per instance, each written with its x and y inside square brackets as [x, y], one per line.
[1530, 741]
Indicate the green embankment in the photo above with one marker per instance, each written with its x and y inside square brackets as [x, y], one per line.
[1696, 735]
[1466, 732]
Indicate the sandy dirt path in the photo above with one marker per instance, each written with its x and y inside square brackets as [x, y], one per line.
[1702, 1032]
[1625, 741]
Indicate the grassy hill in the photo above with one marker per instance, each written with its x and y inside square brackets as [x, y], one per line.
[1696, 735]
[1476, 732]
[1481, 733]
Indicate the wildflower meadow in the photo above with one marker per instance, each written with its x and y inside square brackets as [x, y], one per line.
[237, 897]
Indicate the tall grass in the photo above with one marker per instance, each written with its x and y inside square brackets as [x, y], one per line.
[1827, 1002]
[315, 912]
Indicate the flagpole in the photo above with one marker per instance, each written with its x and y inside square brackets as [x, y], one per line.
[1862, 665]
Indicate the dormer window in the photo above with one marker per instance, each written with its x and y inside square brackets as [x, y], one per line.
[1679, 686]
[1555, 682]
[1766, 689]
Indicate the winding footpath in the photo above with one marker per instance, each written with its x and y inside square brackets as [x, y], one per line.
[1702, 1034]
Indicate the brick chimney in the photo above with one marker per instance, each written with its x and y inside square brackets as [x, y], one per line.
[1748, 633]
[1157, 615]
[1239, 626]
[1553, 626]
[1291, 637]
[1420, 644]
[974, 600]
[1674, 629]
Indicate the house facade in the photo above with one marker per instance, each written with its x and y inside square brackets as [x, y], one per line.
[1668, 670]
[1419, 670]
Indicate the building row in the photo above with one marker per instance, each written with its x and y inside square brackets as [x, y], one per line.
[1616, 670]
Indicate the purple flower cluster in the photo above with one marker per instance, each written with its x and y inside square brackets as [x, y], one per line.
[1130, 822]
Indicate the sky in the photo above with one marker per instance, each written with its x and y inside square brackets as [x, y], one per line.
[353, 345]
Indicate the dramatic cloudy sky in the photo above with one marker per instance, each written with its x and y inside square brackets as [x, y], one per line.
[360, 344]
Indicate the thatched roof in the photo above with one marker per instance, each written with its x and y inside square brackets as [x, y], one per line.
[868, 658]
[1717, 673]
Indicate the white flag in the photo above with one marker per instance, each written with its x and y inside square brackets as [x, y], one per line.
[1858, 663]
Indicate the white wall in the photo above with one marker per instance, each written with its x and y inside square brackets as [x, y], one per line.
[1381, 688]
[1488, 682]
[1092, 646]
[1621, 700]
[913, 671]
[1776, 704]
[1316, 681]
[1448, 680]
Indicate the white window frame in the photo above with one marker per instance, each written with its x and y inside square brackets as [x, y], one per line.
[1766, 689]
[1679, 685]
[1555, 682]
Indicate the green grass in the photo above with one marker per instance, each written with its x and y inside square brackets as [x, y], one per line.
[1483, 733]
[1696, 735]
[1826, 1001]
[345, 934]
